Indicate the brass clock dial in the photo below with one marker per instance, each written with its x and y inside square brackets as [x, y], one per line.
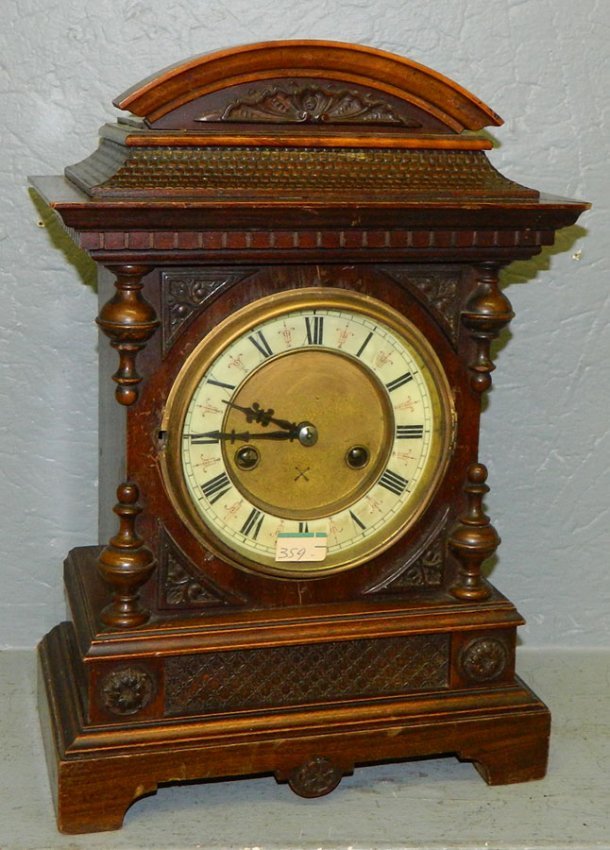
[307, 432]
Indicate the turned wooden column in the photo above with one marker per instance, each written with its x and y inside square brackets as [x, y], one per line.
[126, 563]
[474, 539]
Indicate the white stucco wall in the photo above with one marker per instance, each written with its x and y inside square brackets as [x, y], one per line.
[541, 64]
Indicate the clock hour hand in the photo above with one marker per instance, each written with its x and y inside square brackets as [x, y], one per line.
[304, 432]
[255, 413]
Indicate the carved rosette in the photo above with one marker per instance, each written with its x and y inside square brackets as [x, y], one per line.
[126, 564]
[126, 691]
[129, 321]
[486, 313]
[484, 659]
[473, 539]
[315, 778]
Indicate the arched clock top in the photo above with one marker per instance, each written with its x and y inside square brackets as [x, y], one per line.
[309, 82]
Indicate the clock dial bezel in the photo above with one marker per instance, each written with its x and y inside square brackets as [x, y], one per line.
[247, 320]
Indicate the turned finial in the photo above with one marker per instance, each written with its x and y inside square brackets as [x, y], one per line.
[473, 539]
[129, 321]
[487, 312]
[126, 564]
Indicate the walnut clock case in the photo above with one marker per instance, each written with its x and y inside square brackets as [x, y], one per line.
[299, 246]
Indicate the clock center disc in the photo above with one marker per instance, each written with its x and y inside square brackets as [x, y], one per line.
[353, 419]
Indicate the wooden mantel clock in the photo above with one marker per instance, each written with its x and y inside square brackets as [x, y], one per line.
[299, 245]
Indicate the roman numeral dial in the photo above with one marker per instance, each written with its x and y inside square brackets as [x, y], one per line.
[315, 414]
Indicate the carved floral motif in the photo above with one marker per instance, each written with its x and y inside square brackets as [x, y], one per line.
[309, 104]
[425, 571]
[178, 587]
[181, 588]
[440, 289]
[186, 292]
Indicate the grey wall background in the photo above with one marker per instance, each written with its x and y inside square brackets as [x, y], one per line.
[541, 64]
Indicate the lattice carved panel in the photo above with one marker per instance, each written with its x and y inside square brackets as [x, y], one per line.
[296, 675]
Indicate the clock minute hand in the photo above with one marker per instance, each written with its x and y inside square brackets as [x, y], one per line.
[268, 435]
[304, 432]
[210, 437]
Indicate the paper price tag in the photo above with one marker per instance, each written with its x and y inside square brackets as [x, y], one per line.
[301, 546]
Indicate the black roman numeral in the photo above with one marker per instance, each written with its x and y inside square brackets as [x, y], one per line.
[399, 382]
[364, 344]
[393, 482]
[409, 432]
[221, 384]
[303, 528]
[207, 439]
[252, 525]
[259, 342]
[216, 487]
[357, 521]
[315, 329]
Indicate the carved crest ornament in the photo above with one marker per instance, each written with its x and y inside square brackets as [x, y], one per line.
[309, 104]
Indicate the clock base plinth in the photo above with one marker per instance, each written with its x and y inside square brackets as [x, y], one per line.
[101, 759]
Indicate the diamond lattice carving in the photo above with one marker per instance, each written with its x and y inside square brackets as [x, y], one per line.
[294, 675]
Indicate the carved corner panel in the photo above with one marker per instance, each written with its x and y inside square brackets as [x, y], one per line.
[186, 292]
[426, 570]
[440, 289]
[182, 587]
